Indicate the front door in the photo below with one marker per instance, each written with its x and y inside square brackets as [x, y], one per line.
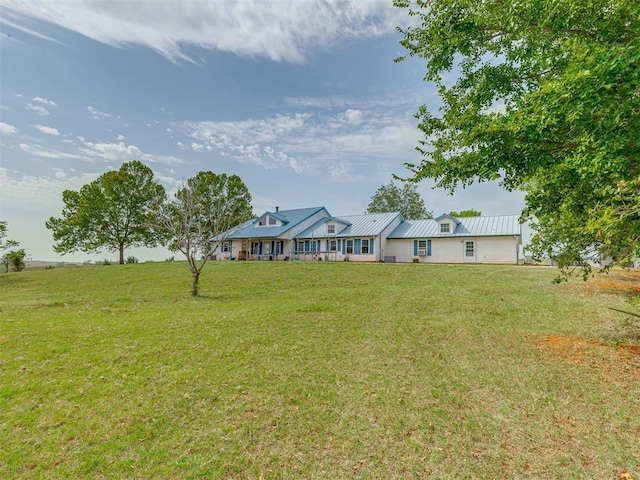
[470, 251]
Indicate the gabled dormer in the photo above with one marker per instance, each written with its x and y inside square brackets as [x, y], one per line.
[333, 226]
[446, 224]
[270, 219]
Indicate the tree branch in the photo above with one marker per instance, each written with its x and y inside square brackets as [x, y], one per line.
[624, 311]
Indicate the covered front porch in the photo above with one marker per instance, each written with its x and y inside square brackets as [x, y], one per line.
[262, 249]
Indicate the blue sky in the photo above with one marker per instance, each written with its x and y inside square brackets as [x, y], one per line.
[301, 99]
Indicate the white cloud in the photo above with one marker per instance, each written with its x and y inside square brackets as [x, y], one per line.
[318, 102]
[21, 191]
[353, 117]
[6, 129]
[261, 130]
[249, 140]
[197, 147]
[97, 114]
[341, 173]
[315, 141]
[39, 109]
[44, 101]
[170, 181]
[47, 130]
[112, 152]
[49, 153]
[120, 152]
[281, 31]
[120, 138]
[6, 21]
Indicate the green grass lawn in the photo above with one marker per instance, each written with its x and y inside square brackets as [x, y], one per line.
[313, 370]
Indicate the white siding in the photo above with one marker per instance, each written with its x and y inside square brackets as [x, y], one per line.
[383, 244]
[503, 250]
[402, 249]
[497, 250]
[446, 250]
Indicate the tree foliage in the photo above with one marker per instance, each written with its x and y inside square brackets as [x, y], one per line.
[547, 99]
[406, 200]
[112, 212]
[14, 259]
[3, 233]
[466, 213]
[4, 244]
[201, 216]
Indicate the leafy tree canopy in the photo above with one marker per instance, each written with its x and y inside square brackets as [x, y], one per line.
[406, 200]
[466, 213]
[201, 216]
[14, 259]
[4, 244]
[547, 99]
[113, 212]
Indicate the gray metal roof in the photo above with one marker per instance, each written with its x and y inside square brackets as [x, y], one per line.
[366, 225]
[468, 227]
[293, 217]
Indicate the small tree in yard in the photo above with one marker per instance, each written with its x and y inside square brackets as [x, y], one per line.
[14, 258]
[201, 216]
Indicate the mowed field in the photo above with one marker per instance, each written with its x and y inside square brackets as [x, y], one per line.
[316, 370]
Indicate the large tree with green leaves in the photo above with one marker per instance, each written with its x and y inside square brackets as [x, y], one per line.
[547, 99]
[405, 199]
[114, 212]
[201, 216]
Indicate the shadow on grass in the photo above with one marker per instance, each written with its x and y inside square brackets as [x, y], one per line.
[222, 297]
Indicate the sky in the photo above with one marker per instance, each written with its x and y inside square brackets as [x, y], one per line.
[301, 99]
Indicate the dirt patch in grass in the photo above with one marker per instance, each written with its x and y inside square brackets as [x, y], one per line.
[619, 362]
[619, 281]
[622, 321]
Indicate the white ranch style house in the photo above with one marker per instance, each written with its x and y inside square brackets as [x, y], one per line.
[313, 234]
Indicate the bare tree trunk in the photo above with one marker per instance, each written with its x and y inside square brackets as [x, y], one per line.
[121, 254]
[194, 283]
